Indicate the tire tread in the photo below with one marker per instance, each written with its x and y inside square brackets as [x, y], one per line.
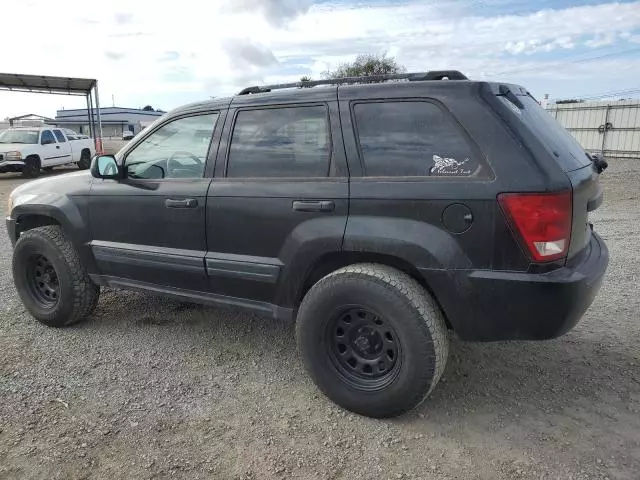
[85, 292]
[427, 310]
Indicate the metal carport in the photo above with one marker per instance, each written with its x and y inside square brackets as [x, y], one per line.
[60, 86]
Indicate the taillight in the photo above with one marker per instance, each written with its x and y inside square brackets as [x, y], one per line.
[543, 221]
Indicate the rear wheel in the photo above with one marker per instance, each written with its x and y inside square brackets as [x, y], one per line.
[50, 279]
[85, 160]
[31, 167]
[372, 339]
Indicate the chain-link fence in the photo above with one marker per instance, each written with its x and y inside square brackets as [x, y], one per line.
[609, 128]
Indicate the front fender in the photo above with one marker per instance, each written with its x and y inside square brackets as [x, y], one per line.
[70, 213]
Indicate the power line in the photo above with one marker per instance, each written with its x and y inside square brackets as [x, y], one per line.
[580, 60]
[613, 93]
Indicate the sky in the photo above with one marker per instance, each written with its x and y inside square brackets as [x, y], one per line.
[167, 54]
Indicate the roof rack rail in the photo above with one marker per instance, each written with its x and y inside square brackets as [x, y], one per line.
[412, 77]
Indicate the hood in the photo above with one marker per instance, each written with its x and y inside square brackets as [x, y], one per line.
[9, 147]
[69, 184]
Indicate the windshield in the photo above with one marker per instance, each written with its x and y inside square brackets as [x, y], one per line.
[19, 136]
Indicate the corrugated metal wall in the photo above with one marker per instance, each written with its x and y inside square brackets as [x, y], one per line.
[611, 128]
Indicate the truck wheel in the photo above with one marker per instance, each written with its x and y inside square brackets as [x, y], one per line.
[373, 340]
[51, 281]
[85, 160]
[31, 167]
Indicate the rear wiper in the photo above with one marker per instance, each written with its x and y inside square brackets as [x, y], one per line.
[599, 163]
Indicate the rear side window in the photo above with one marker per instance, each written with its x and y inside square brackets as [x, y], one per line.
[59, 136]
[280, 142]
[412, 139]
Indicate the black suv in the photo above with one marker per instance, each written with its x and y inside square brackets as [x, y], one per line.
[378, 212]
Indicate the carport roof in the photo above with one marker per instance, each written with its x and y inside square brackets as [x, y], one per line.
[45, 84]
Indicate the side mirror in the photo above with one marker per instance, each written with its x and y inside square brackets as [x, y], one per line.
[105, 166]
[46, 142]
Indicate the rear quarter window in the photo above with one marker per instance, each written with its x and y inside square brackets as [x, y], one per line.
[413, 139]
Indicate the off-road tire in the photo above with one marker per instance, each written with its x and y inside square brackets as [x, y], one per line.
[31, 167]
[78, 295]
[405, 306]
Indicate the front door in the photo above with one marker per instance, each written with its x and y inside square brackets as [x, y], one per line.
[63, 148]
[278, 202]
[150, 226]
[53, 153]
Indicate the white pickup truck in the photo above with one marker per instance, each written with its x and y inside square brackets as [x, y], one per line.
[30, 149]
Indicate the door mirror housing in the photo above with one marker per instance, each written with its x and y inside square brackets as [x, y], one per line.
[46, 141]
[105, 166]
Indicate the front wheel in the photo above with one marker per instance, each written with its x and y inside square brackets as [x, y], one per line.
[373, 340]
[50, 279]
[31, 168]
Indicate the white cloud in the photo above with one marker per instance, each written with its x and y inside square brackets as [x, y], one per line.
[146, 52]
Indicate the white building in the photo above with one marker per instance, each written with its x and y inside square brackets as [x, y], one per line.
[115, 120]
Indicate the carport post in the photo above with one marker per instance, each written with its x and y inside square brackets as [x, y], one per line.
[92, 120]
[99, 119]
[89, 119]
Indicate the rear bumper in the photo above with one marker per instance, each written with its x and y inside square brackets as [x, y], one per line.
[497, 305]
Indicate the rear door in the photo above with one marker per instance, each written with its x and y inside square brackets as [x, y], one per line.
[279, 200]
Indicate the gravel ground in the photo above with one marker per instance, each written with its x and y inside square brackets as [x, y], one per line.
[153, 388]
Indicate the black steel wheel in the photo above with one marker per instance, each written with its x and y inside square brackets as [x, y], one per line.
[363, 347]
[372, 339]
[43, 281]
[52, 282]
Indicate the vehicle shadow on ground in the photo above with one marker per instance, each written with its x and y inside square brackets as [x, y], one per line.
[43, 174]
[506, 381]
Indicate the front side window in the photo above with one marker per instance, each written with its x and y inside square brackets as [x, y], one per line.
[47, 137]
[176, 150]
[280, 142]
[59, 136]
[412, 139]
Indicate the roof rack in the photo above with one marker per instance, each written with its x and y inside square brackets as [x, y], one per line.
[412, 77]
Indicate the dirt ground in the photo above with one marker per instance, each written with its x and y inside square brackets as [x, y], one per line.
[153, 388]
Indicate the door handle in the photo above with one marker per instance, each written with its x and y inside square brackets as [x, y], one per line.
[314, 206]
[186, 203]
[58, 147]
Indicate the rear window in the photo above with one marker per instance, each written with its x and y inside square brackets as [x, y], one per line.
[413, 139]
[558, 141]
[59, 136]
